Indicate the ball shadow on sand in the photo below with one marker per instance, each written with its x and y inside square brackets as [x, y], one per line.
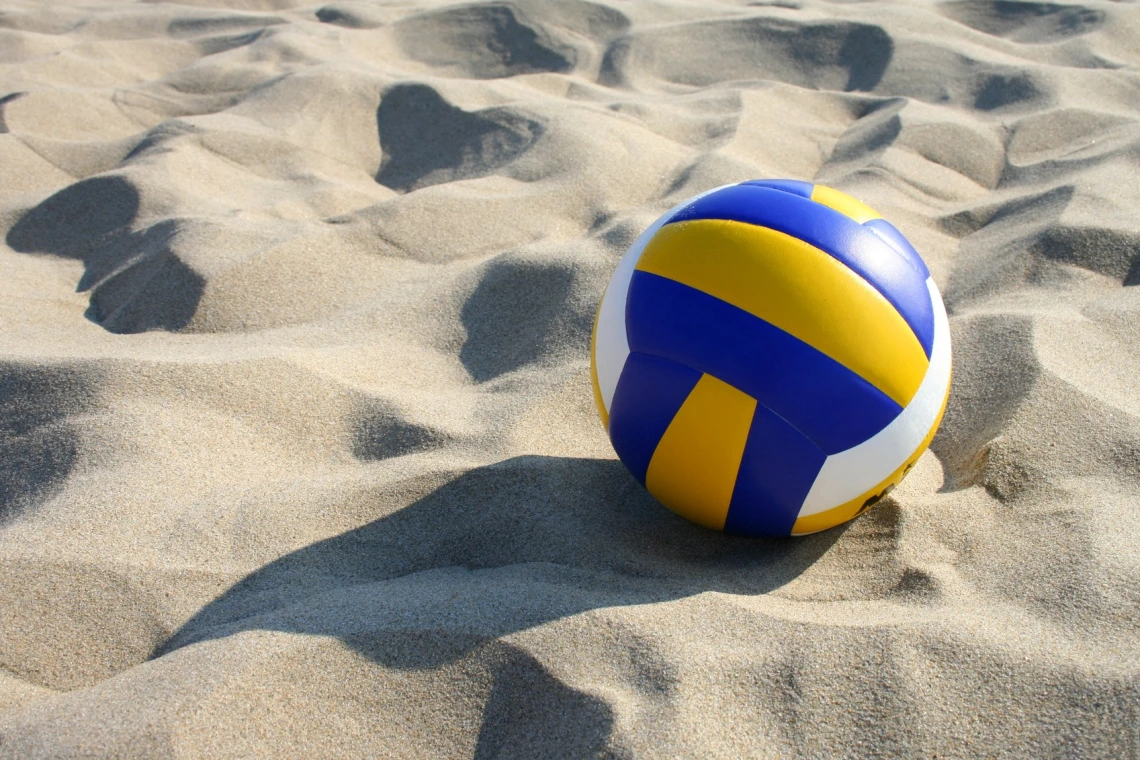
[498, 550]
[137, 283]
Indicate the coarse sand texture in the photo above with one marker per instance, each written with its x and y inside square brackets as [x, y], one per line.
[300, 456]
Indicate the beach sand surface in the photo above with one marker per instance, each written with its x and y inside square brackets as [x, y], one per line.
[299, 452]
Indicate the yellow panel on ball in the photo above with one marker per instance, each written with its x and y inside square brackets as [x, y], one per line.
[798, 288]
[843, 203]
[693, 470]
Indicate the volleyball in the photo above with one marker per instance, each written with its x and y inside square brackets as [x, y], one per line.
[771, 358]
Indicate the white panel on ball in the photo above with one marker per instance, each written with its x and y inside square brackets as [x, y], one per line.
[611, 348]
[850, 473]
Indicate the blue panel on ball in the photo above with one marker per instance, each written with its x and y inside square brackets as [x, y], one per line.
[793, 186]
[776, 473]
[649, 392]
[898, 241]
[872, 258]
[824, 400]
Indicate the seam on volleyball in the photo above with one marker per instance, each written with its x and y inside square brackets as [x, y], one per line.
[879, 241]
[902, 255]
[878, 238]
[727, 223]
[808, 438]
[644, 238]
[945, 347]
[759, 401]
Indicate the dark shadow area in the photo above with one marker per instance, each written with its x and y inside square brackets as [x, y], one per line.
[513, 314]
[3, 102]
[483, 41]
[1104, 250]
[497, 550]
[222, 43]
[1133, 276]
[1051, 203]
[154, 140]
[78, 222]
[137, 283]
[829, 55]
[435, 586]
[427, 141]
[870, 136]
[531, 713]
[350, 17]
[615, 62]
[38, 448]
[866, 52]
[234, 24]
[999, 384]
[381, 433]
[1028, 22]
[999, 90]
[526, 710]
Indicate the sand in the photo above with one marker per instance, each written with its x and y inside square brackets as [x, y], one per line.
[300, 457]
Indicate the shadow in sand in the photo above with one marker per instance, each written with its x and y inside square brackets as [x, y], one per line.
[5, 100]
[38, 446]
[865, 53]
[530, 713]
[514, 315]
[498, 550]
[1132, 279]
[136, 281]
[490, 40]
[427, 141]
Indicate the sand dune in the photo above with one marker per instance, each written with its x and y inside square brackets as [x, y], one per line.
[299, 454]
